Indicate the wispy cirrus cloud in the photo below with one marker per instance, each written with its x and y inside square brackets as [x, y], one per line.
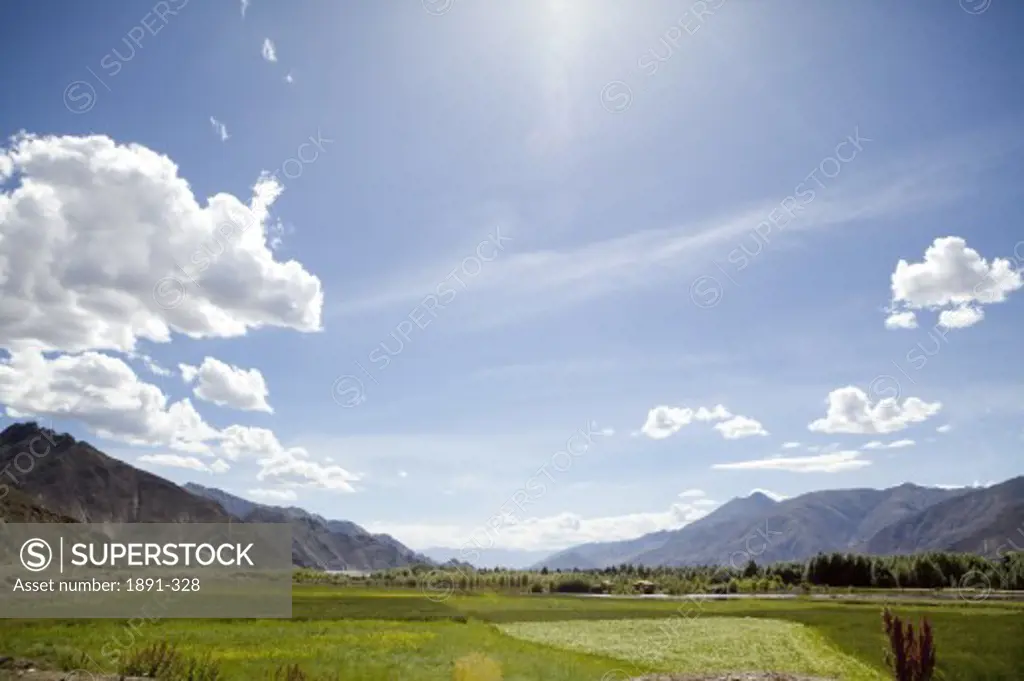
[538, 281]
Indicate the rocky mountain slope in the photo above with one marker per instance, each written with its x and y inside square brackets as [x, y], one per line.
[901, 519]
[316, 541]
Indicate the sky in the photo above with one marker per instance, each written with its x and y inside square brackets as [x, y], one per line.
[526, 275]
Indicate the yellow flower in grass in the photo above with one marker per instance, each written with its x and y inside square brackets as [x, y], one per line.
[476, 667]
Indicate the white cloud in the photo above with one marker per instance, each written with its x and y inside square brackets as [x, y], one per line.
[245, 6]
[822, 463]
[901, 320]
[546, 533]
[268, 50]
[850, 411]
[403, 474]
[790, 445]
[664, 421]
[898, 444]
[220, 129]
[103, 393]
[273, 494]
[287, 466]
[188, 372]
[961, 317]
[691, 493]
[951, 276]
[977, 484]
[289, 78]
[944, 429]
[740, 427]
[228, 386]
[100, 233]
[189, 462]
[770, 494]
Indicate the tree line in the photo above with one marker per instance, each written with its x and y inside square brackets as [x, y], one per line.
[933, 570]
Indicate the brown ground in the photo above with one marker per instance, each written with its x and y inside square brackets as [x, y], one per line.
[12, 669]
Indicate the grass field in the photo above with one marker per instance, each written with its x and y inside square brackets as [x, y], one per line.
[375, 635]
[702, 644]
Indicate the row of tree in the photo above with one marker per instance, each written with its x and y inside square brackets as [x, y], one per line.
[935, 570]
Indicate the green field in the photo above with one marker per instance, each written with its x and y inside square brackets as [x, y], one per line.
[364, 634]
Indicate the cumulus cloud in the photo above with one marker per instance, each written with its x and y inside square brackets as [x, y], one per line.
[944, 429]
[268, 50]
[664, 421]
[901, 320]
[790, 445]
[189, 462]
[228, 386]
[740, 427]
[104, 244]
[822, 463]
[961, 317]
[850, 411]
[952, 278]
[103, 393]
[286, 466]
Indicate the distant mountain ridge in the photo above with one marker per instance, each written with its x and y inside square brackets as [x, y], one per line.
[904, 519]
[513, 559]
[316, 541]
[62, 479]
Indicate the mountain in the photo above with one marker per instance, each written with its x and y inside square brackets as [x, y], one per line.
[978, 521]
[513, 559]
[759, 528]
[317, 542]
[72, 478]
[595, 555]
[16, 507]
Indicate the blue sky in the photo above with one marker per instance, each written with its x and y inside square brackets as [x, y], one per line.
[567, 215]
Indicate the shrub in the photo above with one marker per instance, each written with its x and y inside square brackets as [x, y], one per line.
[291, 672]
[155, 661]
[575, 585]
[911, 656]
[163, 661]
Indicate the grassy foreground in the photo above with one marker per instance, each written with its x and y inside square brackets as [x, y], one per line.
[371, 635]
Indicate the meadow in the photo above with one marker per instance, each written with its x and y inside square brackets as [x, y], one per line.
[372, 634]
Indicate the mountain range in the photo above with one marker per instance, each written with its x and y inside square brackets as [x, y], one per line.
[57, 478]
[316, 541]
[51, 477]
[898, 520]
